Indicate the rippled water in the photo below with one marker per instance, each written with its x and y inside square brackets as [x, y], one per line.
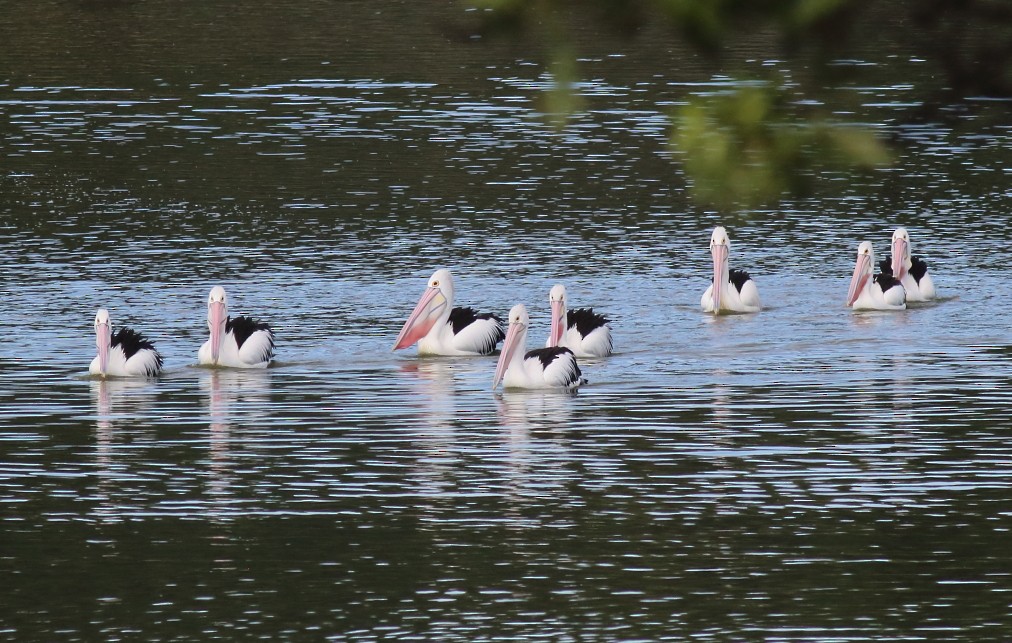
[806, 473]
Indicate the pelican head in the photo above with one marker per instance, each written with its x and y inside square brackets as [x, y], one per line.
[515, 342]
[863, 270]
[557, 299]
[720, 248]
[103, 338]
[901, 253]
[434, 305]
[519, 317]
[217, 314]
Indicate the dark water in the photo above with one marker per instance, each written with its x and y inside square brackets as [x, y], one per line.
[802, 474]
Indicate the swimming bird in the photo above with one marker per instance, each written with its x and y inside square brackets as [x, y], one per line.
[883, 292]
[440, 329]
[553, 367]
[911, 271]
[124, 353]
[732, 291]
[582, 331]
[242, 342]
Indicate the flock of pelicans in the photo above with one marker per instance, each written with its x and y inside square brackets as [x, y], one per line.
[440, 329]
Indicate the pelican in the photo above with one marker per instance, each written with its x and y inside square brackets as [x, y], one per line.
[123, 354]
[911, 271]
[242, 342]
[882, 292]
[441, 329]
[582, 331]
[553, 367]
[732, 291]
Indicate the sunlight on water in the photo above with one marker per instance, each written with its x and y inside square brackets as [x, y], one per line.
[806, 473]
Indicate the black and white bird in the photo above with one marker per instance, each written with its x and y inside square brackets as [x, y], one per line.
[540, 368]
[125, 353]
[582, 331]
[441, 329]
[881, 292]
[732, 291]
[242, 342]
[911, 271]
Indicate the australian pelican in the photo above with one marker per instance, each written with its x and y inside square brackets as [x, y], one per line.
[732, 291]
[881, 292]
[911, 271]
[440, 329]
[553, 367]
[123, 353]
[582, 331]
[242, 342]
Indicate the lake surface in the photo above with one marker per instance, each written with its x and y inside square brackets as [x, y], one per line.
[806, 473]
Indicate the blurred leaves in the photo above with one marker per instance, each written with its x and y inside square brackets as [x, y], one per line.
[757, 144]
[707, 24]
[746, 148]
[562, 99]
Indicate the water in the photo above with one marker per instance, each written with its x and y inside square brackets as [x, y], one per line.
[806, 473]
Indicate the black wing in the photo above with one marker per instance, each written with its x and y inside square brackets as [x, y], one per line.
[918, 268]
[738, 278]
[549, 355]
[886, 266]
[585, 320]
[131, 342]
[885, 280]
[461, 318]
[242, 327]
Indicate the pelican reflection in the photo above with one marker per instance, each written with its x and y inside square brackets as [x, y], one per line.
[120, 405]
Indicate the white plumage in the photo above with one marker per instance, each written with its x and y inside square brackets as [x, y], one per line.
[732, 290]
[582, 331]
[881, 292]
[242, 342]
[911, 271]
[440, 329]
[123, 354]
[540, 368]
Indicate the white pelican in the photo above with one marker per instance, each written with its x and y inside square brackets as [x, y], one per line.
[123, 354]
[441, 329]
[732, 291]
[882, 292]
[554, 367]
[911, 271]
[582, 331]
[242, 342]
